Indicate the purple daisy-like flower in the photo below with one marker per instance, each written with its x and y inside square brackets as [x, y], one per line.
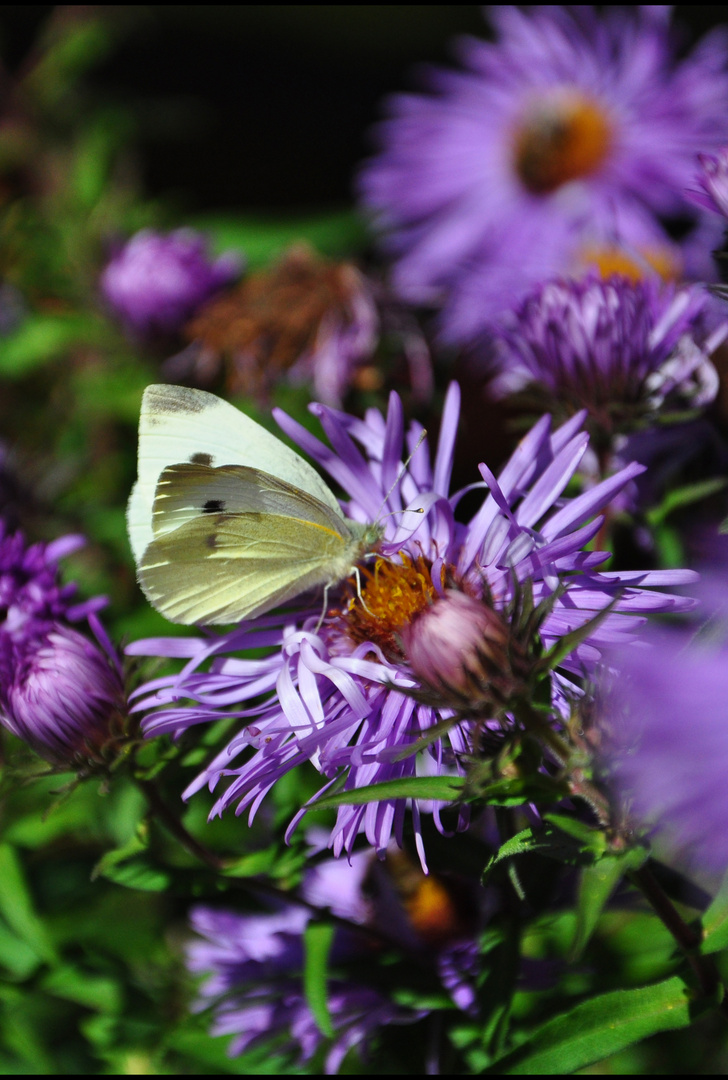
[624, 350]
[567, 138]
[254, 963]
[665, 723]
[343, 693]
[155, 282]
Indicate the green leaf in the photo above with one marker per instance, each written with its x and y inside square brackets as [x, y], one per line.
[597, 1028]
[129, 865]
[437, 788]
[317, 940]
[561, 838]
[16, 956]
[135, 845]
[139, 874]
[93, 991]
[596, 885]
[527, 786]
[715, 922]
[16, 906]
[261, 240]
[522, 842]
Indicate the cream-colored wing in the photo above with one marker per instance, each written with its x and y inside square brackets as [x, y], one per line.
[221, 568]
[187, 492]
[181, 425]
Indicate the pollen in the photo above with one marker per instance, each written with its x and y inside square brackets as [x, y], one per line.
[560, 141]
[391, 595]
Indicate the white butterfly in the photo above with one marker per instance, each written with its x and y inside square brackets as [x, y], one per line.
[225, 521]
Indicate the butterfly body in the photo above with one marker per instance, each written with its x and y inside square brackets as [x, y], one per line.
[217, 539]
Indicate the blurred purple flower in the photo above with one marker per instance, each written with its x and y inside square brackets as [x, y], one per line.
[624, 350]
[664, 717]
[343, 694]
[155, 282]
[256, 990]
[62, 694]
[712, 192]
[254, 963]
[567, 136]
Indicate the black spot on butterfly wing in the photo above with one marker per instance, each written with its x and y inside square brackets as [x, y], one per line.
[201, 459]
[214, 506]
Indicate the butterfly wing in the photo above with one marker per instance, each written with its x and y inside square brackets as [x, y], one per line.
[233, 542]
[182, 425]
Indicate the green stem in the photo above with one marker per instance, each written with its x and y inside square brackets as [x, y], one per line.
[563, 751]
[174, 826]
[687, 939]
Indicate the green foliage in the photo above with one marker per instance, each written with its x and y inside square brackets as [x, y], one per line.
[600, 1027]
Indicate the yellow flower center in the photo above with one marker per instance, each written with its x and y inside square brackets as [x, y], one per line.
[560, 141]
[610, 260]
[391, 595]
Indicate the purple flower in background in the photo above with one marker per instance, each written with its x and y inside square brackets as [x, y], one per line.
[624, 350]
[712, 192]
[665, 722]
[62, 694]
[255, 987]
[254, 963]
[155, 282]
[343, 694]
[560, 144]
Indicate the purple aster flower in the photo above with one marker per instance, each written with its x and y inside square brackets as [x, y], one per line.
[665, 722]
[155, 282]
[570, 135]
[254, 963]
[342, 693]
[712, 192]
[624, 350]
[62, 694]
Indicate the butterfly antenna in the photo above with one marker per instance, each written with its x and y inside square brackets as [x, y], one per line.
[400, 474]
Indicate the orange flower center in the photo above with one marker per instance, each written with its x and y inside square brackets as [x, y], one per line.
[610, 260]
[391, 595]
[559, 141]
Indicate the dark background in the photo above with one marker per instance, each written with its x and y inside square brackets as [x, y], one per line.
[261, 106]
